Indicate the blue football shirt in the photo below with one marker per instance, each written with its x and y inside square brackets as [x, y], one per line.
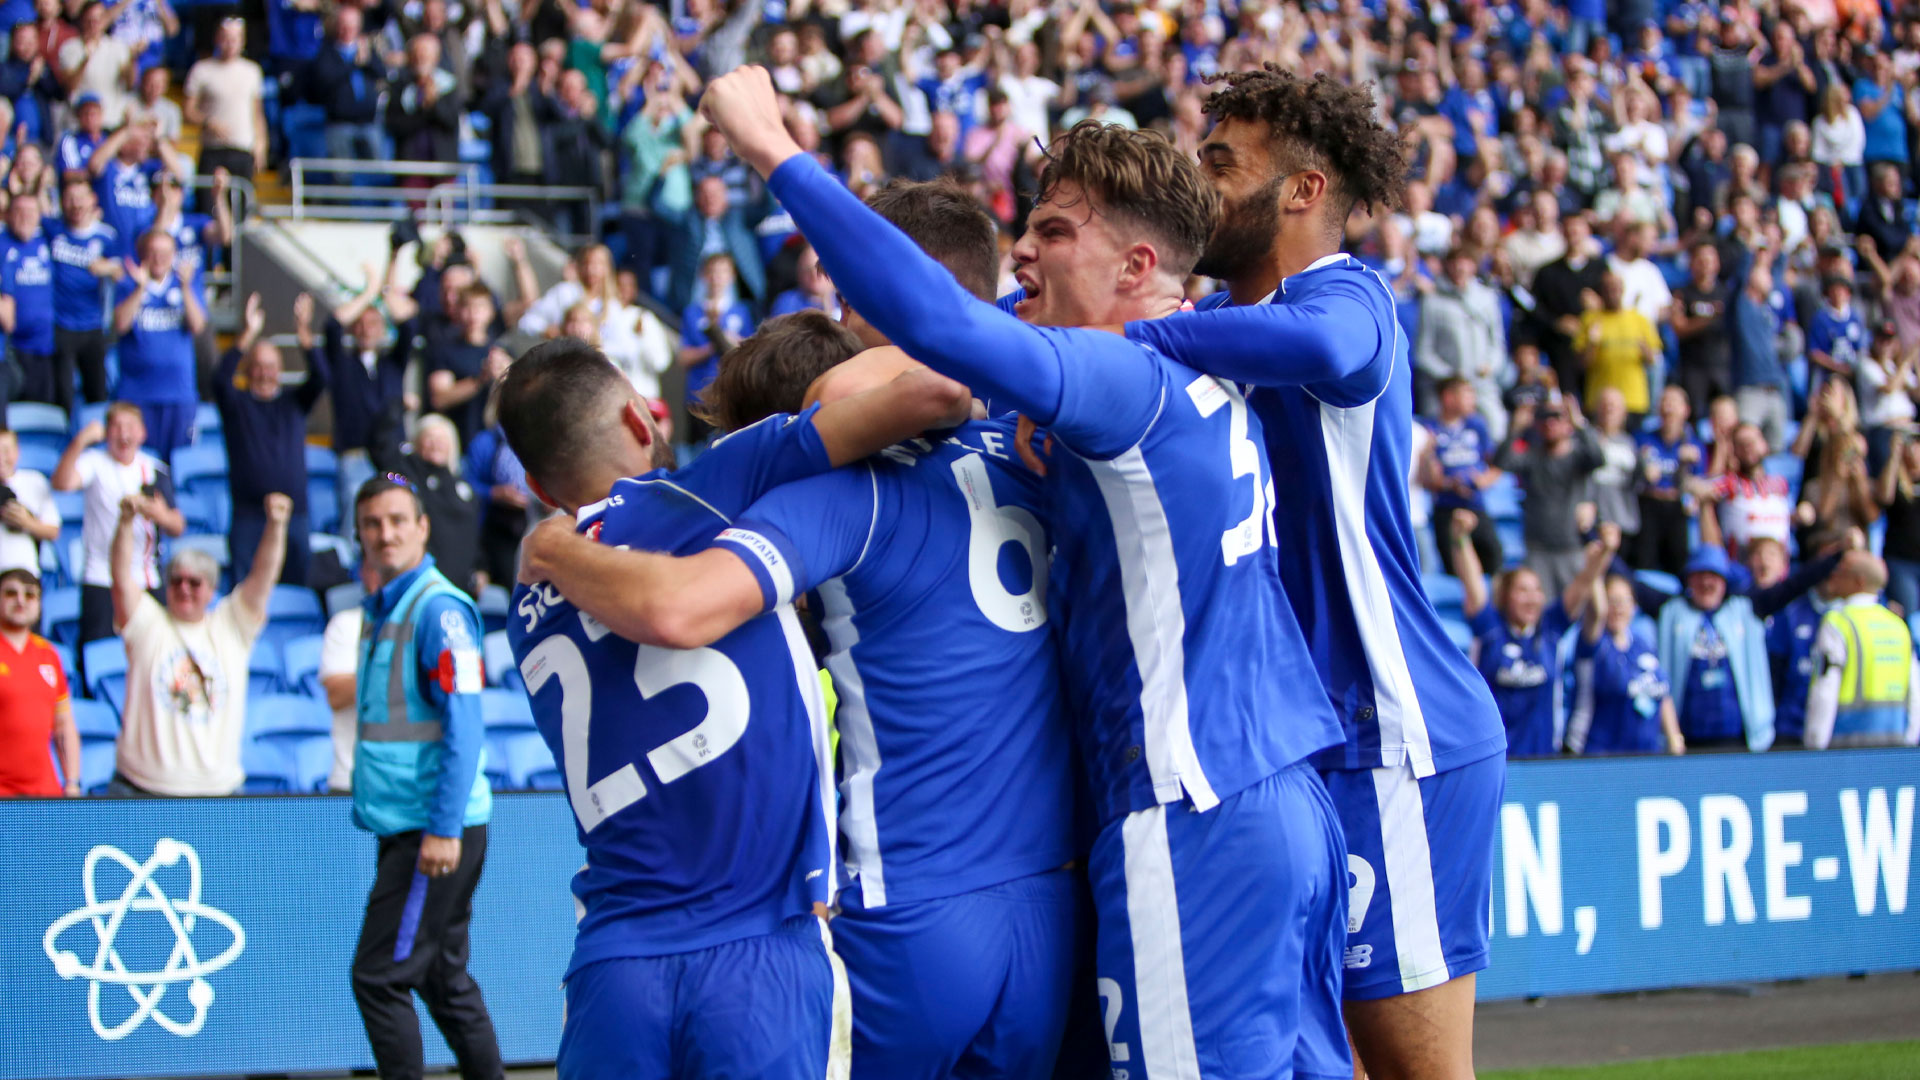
[79, 301]
[26, 274]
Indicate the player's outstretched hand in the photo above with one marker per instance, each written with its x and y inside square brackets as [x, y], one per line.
[541, 546]
[743, 106]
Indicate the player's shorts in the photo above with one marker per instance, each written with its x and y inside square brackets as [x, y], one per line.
[975, 985]
[1420, 853]
[771, 1007]
[1220, 936]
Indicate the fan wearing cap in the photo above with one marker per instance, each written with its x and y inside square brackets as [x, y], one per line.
[1712, 642]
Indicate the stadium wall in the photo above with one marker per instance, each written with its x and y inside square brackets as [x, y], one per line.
[232, 954]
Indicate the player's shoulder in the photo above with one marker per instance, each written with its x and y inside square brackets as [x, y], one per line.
[535, 613]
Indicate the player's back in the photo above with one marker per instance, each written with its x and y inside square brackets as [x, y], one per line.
[698, 777]
[955, 759]
[1184, 661]
[1402, 690]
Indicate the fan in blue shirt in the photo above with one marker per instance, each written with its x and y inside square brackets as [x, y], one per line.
[26, 298]
[1836, 336]
[1623, 703]
[697, 775]
[125, 168]
[1516, 639]
[1159, 472]
[156, 312]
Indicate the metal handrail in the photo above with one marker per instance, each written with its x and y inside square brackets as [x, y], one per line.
[241, 202]
[454, 201]
[303, 191]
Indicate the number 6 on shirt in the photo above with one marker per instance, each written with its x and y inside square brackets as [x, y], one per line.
[655, 670]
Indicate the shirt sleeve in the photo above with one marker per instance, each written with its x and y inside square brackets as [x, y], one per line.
[1485, 622]
[1331, 340]
[805, 533]
[450, 678]
[744, 465]
[339, 646]
[1823, 696]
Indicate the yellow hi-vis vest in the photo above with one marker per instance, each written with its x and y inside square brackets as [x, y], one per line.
[1873, 684]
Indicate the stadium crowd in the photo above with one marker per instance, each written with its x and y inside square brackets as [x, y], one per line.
[1656, 270]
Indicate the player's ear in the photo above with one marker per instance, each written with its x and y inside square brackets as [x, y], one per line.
[1139, 264]
[1303, 190]
[638, 421]
[541, 492]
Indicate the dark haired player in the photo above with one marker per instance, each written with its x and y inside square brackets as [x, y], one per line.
[1420, 778]
[698, 777]
[1217, 870]
[957, 916]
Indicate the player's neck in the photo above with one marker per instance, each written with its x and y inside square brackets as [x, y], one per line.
[15, 636]
[1289, 256]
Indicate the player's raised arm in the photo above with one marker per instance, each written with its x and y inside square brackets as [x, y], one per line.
[913, 401]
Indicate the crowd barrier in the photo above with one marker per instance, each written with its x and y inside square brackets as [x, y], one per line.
[179, 938]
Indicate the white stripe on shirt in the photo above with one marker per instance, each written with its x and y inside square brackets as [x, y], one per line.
[808, 678]
[859, 749]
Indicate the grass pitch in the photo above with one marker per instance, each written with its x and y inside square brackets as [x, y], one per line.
[1854, 1061]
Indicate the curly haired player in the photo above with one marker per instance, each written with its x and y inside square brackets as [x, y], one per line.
[1420, 777]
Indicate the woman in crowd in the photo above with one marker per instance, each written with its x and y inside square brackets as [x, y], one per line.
[431, 465]
[1622, 701]
[1896, 494]
[591, 282]
[1516, 641]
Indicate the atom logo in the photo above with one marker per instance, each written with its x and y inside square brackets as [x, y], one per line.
[144, 894]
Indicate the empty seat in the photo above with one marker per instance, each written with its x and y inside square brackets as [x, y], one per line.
[1658, 579]
[198, 463]
[60, 614]
[495, 602]
[303, 665]
[497, 654]
[1444, 592]
[38, 425]
[322, 462]
[1458, 633]
[342, 597]
[514, 757]
[311, 757]
[105, 662]
[269, 768]
[266, 672]
[506, 710]
[98, 760]
[323, 504]
[277, 716]
[95, 720]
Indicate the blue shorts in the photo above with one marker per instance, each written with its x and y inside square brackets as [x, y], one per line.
[1220, 936]
[761, 1008]
[1420, 861]
[974, 985]
[169, 426]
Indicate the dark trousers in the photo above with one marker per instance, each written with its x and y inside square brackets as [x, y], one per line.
[384, 980]
[1662, 543]
[1486, 540]
[1704, 382]
[87, 351]
[243, 539]
[237, 163]
[96, 612]
[37, 379]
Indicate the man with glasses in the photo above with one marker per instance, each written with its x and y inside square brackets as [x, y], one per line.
[184, 717]
[418, 786]
[33, 698]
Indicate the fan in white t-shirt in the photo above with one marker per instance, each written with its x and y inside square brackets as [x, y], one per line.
[29, 516]
[109, 475]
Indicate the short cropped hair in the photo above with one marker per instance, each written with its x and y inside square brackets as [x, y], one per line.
[1141, 176]
[547, 396]
[950, 225]
[379, 486]
[1320, 123]
[769, 372]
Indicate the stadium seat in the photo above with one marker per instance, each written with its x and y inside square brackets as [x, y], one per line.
[342, 597]
[40, 425]
[312, 759]
[266, 671]
[95, 720]
[53, 568]
[296, 606]
[73, 555]
[280, 716]
[105, 662]
[1458, 633]
[496, 764]
[506, 710]
[1445, 593]
[513, 757]
[1658, 579]
[323, 504]
[269, 767]
[341, 547]
[498, 656]
[195, 508]
[206, 421]
[98, 760]
[84, 414]
[213, 544]
[39, 457]
[322, 462]
[67, 664]
[1513, 543]
[60, 614]
[495, 602]
[197, 464]
[1504, 498]
[73, 511]
[303, 666]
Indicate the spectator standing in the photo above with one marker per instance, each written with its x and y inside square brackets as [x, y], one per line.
[656, 193]
[1618, 347]
[125, 168]
[1623, 699]
[423, 116]
[109, 476]
[1902, 548]
[714, 228]
[186, 710]
[339, 677]
[1614, 485]
[346, 80]
[1516, 641]
[576, 141]
[419, 787]
[432, 464]
[813, 289]
[1838, 494]
[73, 154]
[1885, 107]
[461, 371]
[594, 283]
[35, 709]
[1462, 334]
[1836, 335]
[96, 64]
[711, 326]
[85, 266]
[1760, 378]
[1867, 688]
[1700, 323]
[157, 313]
[1459, 471]
[28, 515]
[1671, 460]
[26, 304]
[1840, 146]
[1536, 239]
[151, 103]
[1560, 289]
[1885, 228]
[493, 469]
[1552, 461]
[266, 431]
[27, 79]
[1732, 65]
[367, 377]
[1790, 636]
[518, 114]
[195, 236]
[1751, 502]
[224, 95]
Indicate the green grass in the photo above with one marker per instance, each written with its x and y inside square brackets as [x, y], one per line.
[1856, 1061]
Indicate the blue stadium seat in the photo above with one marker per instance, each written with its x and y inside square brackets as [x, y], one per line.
[342, 549]
[305, 128]
[498, 656]
[105, 661]
[296, 605]
[496, 764]
[195, 508]
[38, 425]
[98, 759]
[60, 614]
[84, 414]
[1445, 593]
[1458, 633]
[73, 510]
[322, 462]
[323, 504]
[506, 710]
[495, 602]
[303, 665]
[53, 568]
[513, 757]
[280, 716]
[40, 457]
[269, 767]
[206, 421]
[1512, 542]
[95, 720]
[266, 671]
[1504, 499]
[342, 597]
[213, 545]
[312, 758]
[73, 556]
[67, 664]
[198, 463]
[1658, 579]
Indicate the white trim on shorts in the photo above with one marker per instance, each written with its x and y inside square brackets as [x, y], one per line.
[840, 1039]
[1167, 1048]
[1409, 870]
